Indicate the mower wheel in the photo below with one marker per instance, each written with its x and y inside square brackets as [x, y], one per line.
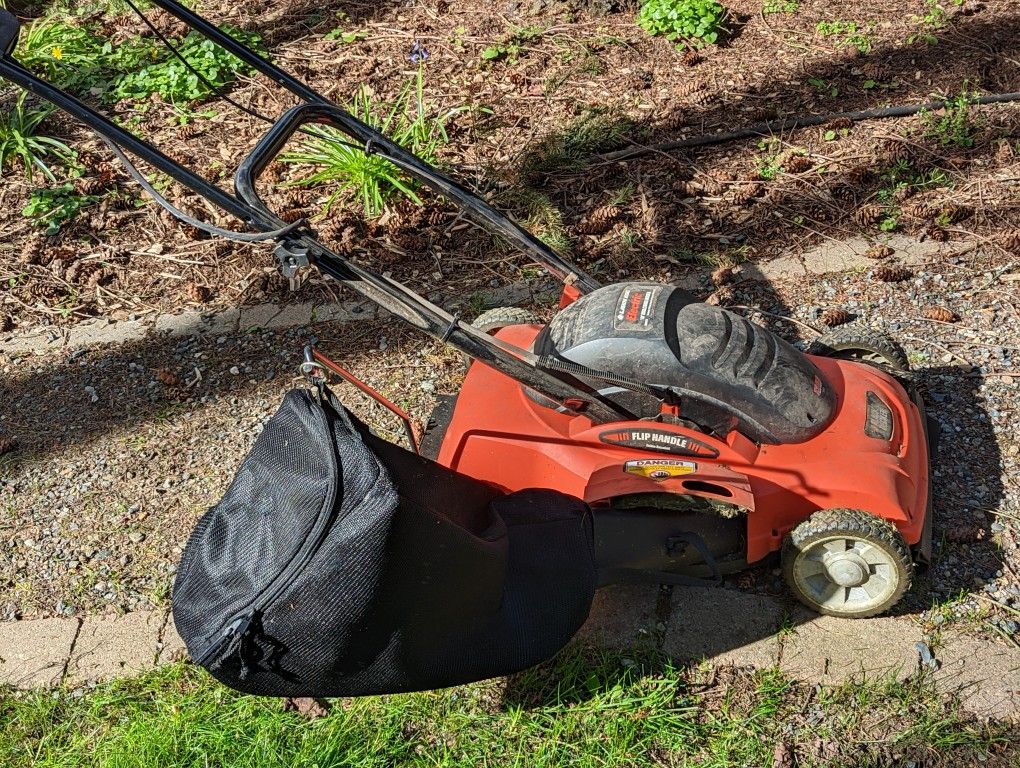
[846, 562]
[491, 320]
[863, 344]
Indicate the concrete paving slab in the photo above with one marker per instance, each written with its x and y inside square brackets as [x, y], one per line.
[832, 256]
[34, 654]
[187, 323]
[622, 617]
[172, 647]
[38, 343]
[222, 322]
[724, 626]
[115, 646]
[825, 649]
[291, 315]
[986, 675]
[785, 267]
[105, 332]
[257, 316]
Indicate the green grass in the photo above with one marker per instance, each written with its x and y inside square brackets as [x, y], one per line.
[372, 179]
[587, 709]
[21, 143]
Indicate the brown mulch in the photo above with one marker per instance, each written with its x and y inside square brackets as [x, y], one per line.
[125, 257]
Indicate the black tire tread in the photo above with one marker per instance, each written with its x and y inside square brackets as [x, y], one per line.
[500, 317]
[849, 338]
[857, 523]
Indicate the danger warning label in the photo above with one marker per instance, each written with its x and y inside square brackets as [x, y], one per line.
[659, 469]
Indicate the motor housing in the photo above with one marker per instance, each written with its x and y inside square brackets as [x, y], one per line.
[731, 373]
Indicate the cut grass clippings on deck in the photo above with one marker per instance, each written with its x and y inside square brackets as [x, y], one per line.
[584, 709]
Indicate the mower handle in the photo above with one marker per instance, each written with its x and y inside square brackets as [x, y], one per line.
[9, 29]
[375, 143]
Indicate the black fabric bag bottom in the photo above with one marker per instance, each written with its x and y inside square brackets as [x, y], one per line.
[338, 564]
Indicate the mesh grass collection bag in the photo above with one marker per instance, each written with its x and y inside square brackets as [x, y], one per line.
[338, 564]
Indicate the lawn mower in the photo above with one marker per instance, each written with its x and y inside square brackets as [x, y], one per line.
[701, 442]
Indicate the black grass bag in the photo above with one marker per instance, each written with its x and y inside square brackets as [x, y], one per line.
[338, 564]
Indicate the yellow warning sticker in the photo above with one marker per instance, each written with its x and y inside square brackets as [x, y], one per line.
[659, 469]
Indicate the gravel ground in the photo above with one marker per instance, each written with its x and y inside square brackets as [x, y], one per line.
[100, 497]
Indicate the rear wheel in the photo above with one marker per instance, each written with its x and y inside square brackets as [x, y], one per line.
[862, 344]
[491, 320]
[846, 562]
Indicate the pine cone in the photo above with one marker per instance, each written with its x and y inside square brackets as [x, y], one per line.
[936, 235]
[8, 445]
[168, 378]
[856, 175]
[724, 275]
[955, 213]
[689, 87]
[836, 316]
[84, 272]
[291, 215]
[745, 193]
[722, 296]
[6, 322]
[435, 217]
[690, 58]
[599, 221]
[199, 294]
[895, 151]
[702, 97]
[839, 124]
[34, 248]
[892, 274]
[1010, 241]
[942, 314]
[795, 163]
[920, 210]
[58, 268]
[90, 185]
[902, 194]
[874, 70]
[867, 215]
[190, 131]
[879, 252]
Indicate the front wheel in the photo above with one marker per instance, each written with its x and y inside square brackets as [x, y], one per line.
[493, 319]
[846, 562]
[863, 345]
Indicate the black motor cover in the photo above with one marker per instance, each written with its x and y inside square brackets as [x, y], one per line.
[731, 372]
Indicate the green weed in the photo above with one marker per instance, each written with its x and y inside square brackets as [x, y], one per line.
[55, 206]
[65, 54]
[780, 6]
[954, 125]
[687, 22]
[21, 143]
[846, 33]
[511, 47]
[935, 18]
[373, 179]
[143, 68]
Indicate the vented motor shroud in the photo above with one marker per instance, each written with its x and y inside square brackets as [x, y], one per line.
[732, 373]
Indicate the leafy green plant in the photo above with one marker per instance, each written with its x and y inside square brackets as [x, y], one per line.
[346, 37]
[847, 33]
[954, 125]
[148, 69]
[20, 142]
[372, 178]
[691, 22]
[55, 206]
[935, 18]
[780, 6]
[62, 53]
[511, 46]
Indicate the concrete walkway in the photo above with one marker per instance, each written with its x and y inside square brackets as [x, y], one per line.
[719, 626]
[825, 259]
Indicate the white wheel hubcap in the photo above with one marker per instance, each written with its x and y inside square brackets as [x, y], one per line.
[846, 575]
